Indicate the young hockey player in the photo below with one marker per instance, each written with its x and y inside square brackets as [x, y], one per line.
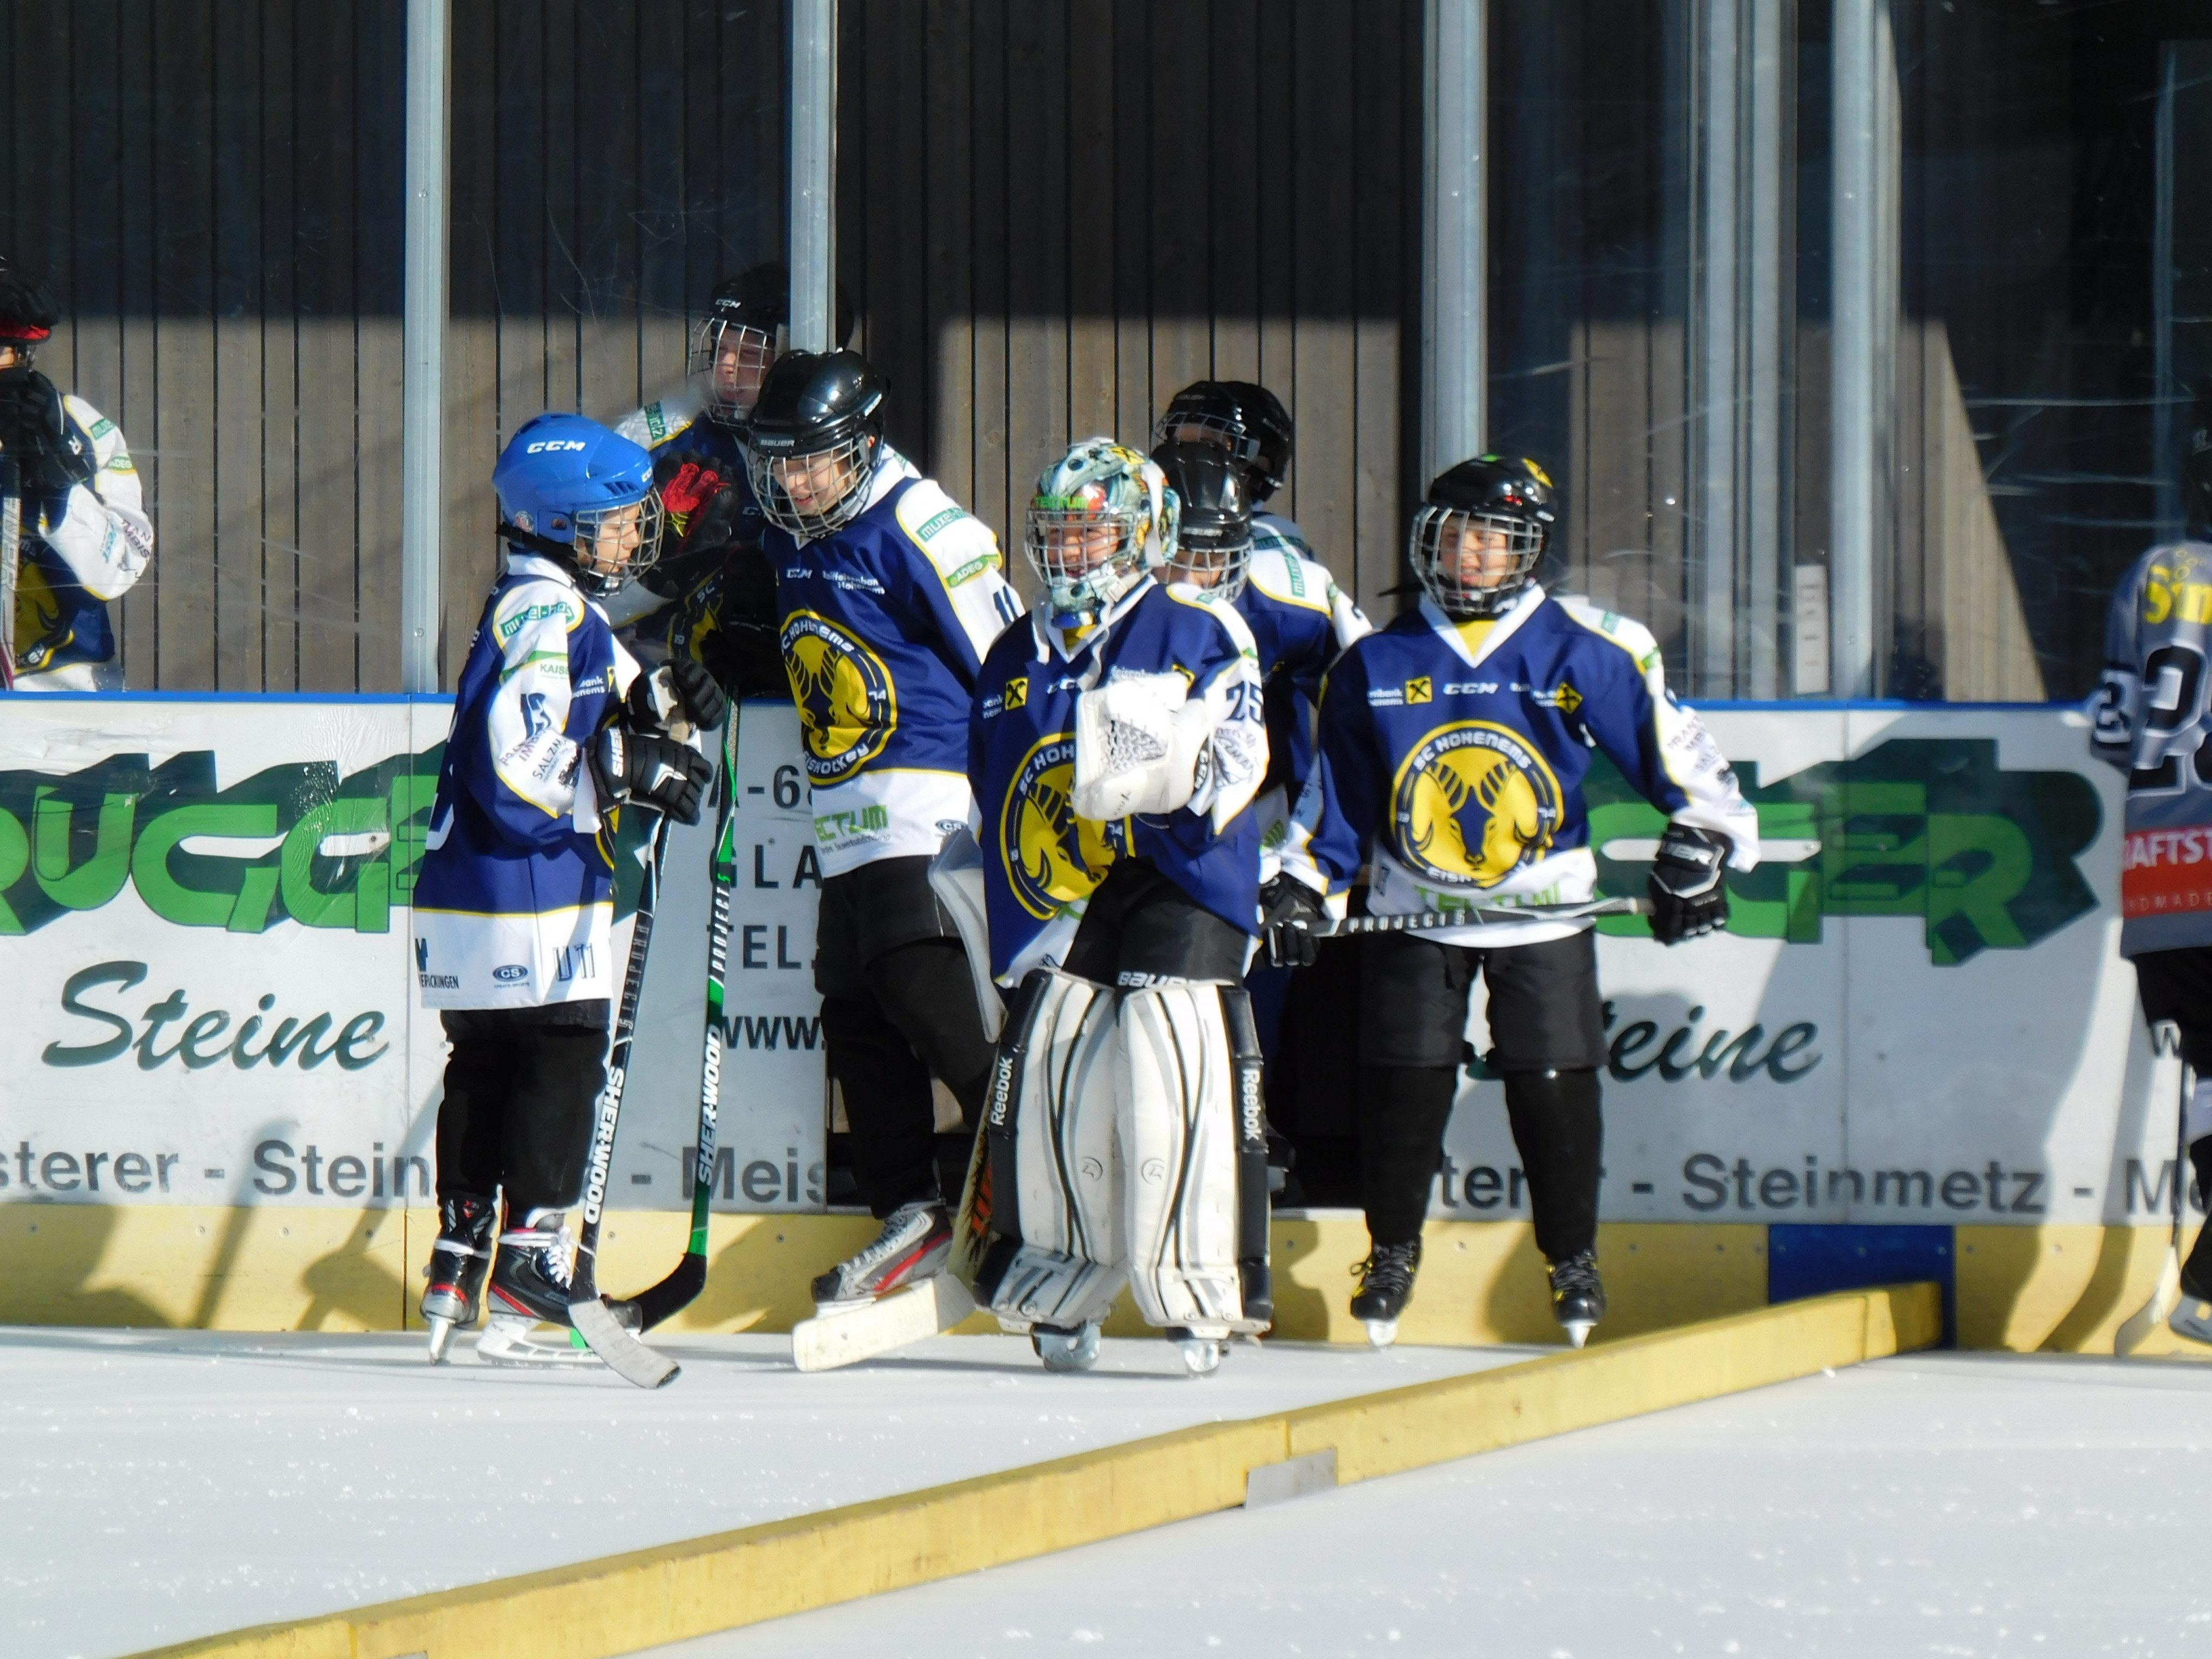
[1453, 747]
[712, 596]
[1116, 741]
[554, 727]
[1300, 620]
[889, 595]
[2150, 714]
[85, 536]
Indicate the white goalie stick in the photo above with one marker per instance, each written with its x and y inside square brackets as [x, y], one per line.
[2164, 1038]
[1486, 915]
[11, 546]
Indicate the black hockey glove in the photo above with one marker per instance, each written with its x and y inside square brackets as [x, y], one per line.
[1688, 897]
[1292, 921]
[679, 689]
[671, 777]
[33, 431]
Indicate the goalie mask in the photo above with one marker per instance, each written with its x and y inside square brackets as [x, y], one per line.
[1241, 417]
[812, 445]
[746, 328]
[1103, 520]
[1213, 536]
[580, 494]
[1476, 540]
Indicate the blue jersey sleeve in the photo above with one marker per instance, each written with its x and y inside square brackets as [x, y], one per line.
[1336, 814]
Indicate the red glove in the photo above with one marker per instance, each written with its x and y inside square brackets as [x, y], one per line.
[692, 488]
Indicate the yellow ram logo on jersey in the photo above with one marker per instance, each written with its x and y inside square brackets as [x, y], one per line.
[1053, 858]
[1474, 802]
[847, 707]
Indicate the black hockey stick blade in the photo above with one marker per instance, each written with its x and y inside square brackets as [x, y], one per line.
[657, 1303]
[1485, 915]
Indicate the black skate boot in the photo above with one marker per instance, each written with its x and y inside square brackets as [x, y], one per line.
[915, 1245]
[2193, 1318]
[1578, 1295]
[529, 1286]
[1386, 1286]
[458, 1261]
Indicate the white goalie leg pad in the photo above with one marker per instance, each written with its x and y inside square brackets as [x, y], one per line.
[1177, 1112]
[1051, 1121]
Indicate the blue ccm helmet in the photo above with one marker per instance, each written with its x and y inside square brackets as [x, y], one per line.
[573, 490]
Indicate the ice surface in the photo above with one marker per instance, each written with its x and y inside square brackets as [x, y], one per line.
[1938, 1505]
[155, 1487]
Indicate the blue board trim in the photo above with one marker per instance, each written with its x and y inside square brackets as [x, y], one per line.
[1811, 1258]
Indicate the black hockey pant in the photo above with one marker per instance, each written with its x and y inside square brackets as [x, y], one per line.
[898, 1006]
[521, 1084]
[1547, 1032]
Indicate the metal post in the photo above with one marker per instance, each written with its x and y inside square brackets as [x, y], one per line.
[1454, 252]
[1863, 336]
[422, 506]
[1742, 349]
[814, 174]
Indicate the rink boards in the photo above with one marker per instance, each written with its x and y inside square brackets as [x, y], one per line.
[1916, 1046]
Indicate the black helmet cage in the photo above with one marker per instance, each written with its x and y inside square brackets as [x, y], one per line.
[1213, 534]
[816, 405]
[852, 454]
[1434, 551]
[1250, 421]
[708, 341]
[583, 530]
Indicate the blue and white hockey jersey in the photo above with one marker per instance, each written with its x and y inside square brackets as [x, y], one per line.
[2150, 714]
[1041, 862]
[885, 626]
[674, 428]
[514, 902]
[1452, 759]
[1301, 621]
[79, 554]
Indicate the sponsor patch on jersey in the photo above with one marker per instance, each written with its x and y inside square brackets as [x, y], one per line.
[1561, 696]
[560, 610]
[656, 423]
[1473, 803]
[1052, 857]
[1420, 689]
[973, 568]
[1017, 692]
[847, 707]
[938, 521]
[512, 973]
[101, 428]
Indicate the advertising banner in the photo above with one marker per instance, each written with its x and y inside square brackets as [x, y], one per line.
[1919, 1014]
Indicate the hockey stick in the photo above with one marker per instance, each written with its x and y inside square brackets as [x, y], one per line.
[11, 539]
[2164, 1038]
[688, 1278]
[1485, 915]
[594, 1320]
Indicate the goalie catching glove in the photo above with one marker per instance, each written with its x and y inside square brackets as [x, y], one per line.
[1140, 744]
[680, 689]
[1292, 923]
[659, 772]
[1688, 897]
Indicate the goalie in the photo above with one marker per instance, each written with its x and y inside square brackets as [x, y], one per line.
[1116, 740]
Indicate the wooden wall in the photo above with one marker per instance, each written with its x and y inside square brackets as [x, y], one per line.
[1051, 216]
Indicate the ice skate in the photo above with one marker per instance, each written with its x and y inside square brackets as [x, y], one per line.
[1064, 1350]
[459, 1262]
[1201, 1348]
[1578, 1295]
[2192, 1318]
[1386, 1286]
[530, 1287]
[915, 1244]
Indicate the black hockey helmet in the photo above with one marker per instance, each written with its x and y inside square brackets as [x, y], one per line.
[1213, 540]
[27, 311]
[824, 409]
[1481, 508]
[748, 316]
[1243, 415]
[2196, 470]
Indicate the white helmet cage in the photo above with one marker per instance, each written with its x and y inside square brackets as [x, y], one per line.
[716, 332]
[1434, 551]
[852, 458]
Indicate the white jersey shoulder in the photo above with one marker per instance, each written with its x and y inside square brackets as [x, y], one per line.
[662, 419]
[1283, 575]
[1223, 611]
[959, 545]
[1630, 635]
[103, 534]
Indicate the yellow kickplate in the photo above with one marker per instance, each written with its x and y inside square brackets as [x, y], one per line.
[672, 1593]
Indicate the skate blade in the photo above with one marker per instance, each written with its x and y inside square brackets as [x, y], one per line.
[829, 1340]
[1577, 1330]
[2193, 1320]
[1202, 1356]
[1066, 1355]
[1381, 1333]
[441, 1332]
[511, 1345]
